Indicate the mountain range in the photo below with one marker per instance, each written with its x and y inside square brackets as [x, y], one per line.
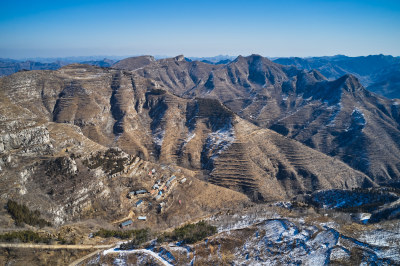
[77, 142]
[377, 73]
[158, 110]
[335, 117]
[146, 118]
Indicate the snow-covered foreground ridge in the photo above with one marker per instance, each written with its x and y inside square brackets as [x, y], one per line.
[280, 241]
[116, 250]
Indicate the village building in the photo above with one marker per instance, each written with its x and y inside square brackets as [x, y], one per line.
[170, 180]
[141, 191]
[126, 223]
[138, 203]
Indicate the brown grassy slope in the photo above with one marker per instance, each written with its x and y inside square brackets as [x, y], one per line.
[268, 166]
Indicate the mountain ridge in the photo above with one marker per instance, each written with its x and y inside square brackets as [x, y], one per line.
[271, 96]
[372, 70]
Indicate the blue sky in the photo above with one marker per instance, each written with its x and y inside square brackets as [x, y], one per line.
[198, 28]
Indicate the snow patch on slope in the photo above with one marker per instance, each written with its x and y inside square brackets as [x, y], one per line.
[281, 242]
[158, 136]
[189, 138]
[358, 120]
[220, 140]
[336, 110]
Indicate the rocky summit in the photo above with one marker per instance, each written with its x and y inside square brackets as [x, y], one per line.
[283, 164]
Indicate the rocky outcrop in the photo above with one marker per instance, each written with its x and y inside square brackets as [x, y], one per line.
[28, 140]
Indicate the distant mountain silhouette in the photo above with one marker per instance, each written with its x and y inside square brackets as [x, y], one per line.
[378, 73]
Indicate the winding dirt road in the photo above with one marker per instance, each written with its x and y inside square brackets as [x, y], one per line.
[106, 249]
[44, 246]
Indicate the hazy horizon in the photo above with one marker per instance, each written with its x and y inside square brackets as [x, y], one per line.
[118, 57]
[308, 28]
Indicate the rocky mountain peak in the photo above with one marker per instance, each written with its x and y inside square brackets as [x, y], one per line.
[350, 83]
[179, 58]
[257, 57]
[253, 59]
[317, 75]
[134, 63]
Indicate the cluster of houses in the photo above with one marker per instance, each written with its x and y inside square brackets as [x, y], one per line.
[157, 191]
